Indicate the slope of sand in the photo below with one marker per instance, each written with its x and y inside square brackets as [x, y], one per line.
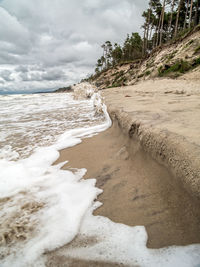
[137, 190]
[163, 116]
[148, 162]
[185, 50]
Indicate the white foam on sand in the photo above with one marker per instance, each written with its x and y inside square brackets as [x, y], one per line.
[43, 207]
[31, 121]
[119, 243]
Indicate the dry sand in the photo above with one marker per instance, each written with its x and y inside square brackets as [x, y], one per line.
[148, 162]
[163, 116]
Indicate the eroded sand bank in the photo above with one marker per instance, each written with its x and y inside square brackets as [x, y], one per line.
[137, 189]
[163, 115]
[148, 163]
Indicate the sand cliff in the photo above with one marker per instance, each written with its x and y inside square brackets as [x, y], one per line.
[171, 60]
[148, 163]
[162, 116]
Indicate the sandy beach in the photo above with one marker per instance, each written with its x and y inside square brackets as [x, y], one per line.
[137, 190]
[140, 187]
[100, 133]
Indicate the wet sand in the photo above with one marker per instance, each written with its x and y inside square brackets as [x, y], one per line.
[147, 163]
[136, 189]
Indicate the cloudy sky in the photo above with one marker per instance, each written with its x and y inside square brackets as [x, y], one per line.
[47, 44]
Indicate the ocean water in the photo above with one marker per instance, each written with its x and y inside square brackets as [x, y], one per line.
[43, 207]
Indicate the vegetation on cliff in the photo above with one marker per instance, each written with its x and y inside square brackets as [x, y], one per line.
[166, 23]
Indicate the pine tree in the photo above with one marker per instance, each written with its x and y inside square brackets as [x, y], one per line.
[160, 24]
[177, 17]
[197, 13]
[186, 14]
[171, 16]
[190, 16]
[162, 21]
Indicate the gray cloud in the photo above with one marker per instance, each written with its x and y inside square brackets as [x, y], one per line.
[6, 75]
[22, 68]
[51, 75]
[46, 43]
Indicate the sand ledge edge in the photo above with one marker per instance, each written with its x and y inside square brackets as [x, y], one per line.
[168, 148]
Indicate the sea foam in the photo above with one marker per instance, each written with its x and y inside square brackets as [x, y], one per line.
[43, 207]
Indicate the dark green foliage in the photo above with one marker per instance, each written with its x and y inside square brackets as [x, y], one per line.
[178, 67]
[132, 48]
[117, 54]
[175, 18]
[170, 56]
[190, 42]
[166, 21]
[112, 55]
[197, 62]
[197, 49]
[119, 79]
[148, 72]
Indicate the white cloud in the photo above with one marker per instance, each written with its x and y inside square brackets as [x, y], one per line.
[48, 44]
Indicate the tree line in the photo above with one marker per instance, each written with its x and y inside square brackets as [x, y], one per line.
[164, 20]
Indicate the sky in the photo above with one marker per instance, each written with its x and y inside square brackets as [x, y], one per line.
[48, 44]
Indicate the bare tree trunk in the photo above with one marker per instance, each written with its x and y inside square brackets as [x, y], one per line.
[186, 14]
[144, 42]
[157, 39]
[190, 18]
[155, 36]
[196, 14]
[148, 23]
[150, 36]
[162, 20]
[103, 47]
[106, 57]
[170, 20]
[177, 18]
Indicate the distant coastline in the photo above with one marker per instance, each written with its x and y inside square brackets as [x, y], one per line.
[67, 89]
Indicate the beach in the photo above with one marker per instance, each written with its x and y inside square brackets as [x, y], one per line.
[148, 180]
[102, 193]
[136, 189]
[100, 133]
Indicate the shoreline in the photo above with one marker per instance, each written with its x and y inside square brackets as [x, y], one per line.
[137, 190]
[149, 173]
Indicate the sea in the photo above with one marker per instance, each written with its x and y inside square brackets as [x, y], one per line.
[43, 207]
